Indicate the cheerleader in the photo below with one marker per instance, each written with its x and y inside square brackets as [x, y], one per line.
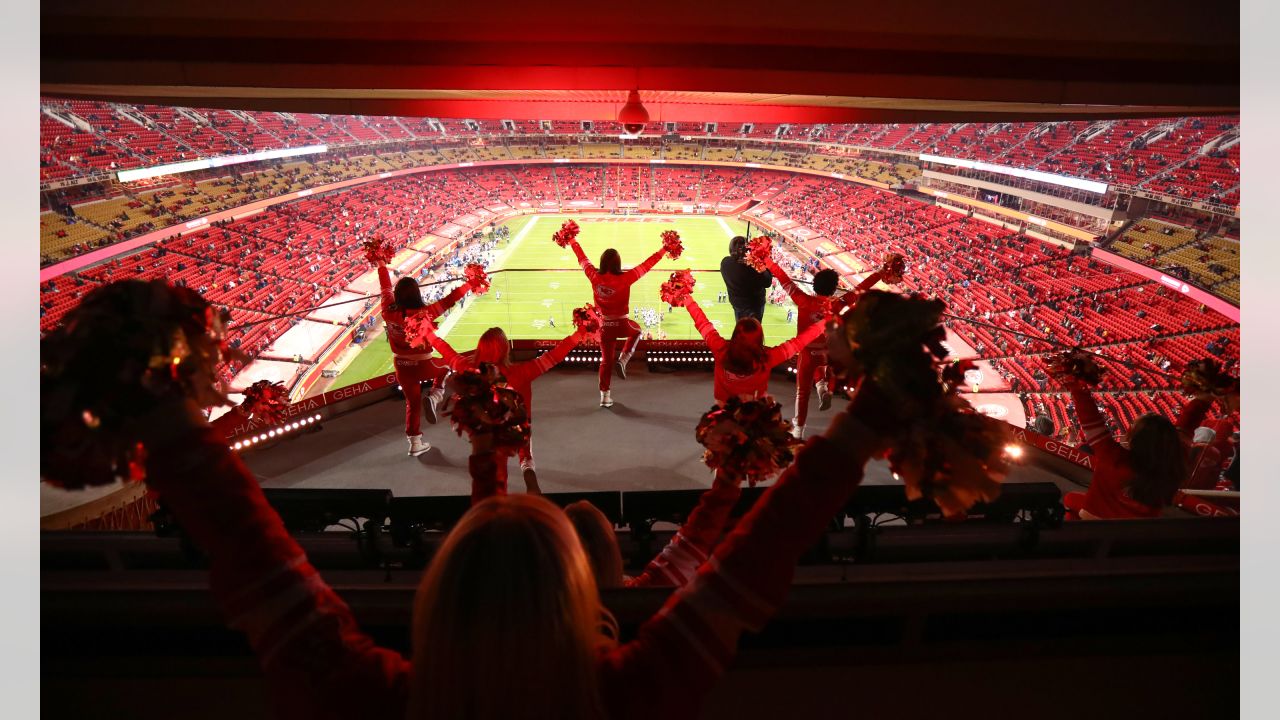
[1138, 479]
[812, 369]
[414, 365]
[611, 288]
[679, 561]
[494, 348]
[513, 559]
[743, 362]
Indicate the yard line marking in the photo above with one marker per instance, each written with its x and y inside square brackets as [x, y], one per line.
[453, 319]
[725, 226]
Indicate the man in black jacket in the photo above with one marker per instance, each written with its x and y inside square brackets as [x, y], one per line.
[746, 286]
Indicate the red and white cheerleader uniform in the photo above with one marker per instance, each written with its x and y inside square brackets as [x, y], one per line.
[612, 295]
[319, 664]
[1207, 459]
[414, 365]
[692, 544]
[729, 384]
[1108, 495]
[519, 377]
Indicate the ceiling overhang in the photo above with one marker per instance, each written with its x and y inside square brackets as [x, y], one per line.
[709, 61]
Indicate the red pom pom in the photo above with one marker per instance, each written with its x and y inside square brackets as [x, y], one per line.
[1207, 376]
[477, 278]
[759, 251]
[1075, 366]
[671, 243]
[893, 269]
[482, 406]
[415, 325]
[587, 318]
[378, 251]
[567, 233]
[747, 438]
[953, 374]
[266, 401]
[678, 289]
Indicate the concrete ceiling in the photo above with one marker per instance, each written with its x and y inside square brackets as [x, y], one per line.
[707, 60]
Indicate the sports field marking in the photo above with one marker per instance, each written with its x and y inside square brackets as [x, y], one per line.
[453, 318]
[725, 226]
[540, 263]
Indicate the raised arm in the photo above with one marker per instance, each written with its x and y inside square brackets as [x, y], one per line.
[638, 271]
[452, 358]
[852, 296]
[1092, 424]
[793, 289]
[439, 307]
[868, 282]
[583, 262]
[786, 350]
[317, 661]
[681, 652]
[532, 369]
[1193, 414]
[704, 326]
[384, 286]
[692, 544]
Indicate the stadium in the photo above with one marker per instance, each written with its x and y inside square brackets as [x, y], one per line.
[292, 182]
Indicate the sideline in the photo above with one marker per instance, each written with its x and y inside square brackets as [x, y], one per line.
[725, 226]
[499, 262]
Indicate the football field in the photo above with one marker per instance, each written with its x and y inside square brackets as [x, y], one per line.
[536, 284]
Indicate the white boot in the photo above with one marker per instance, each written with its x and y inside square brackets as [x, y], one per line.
[797, 431]
[417, 446]
[429, 410]
[435, 404]
[442, 394]
[621, 366]
[824, 395]
[606, 400]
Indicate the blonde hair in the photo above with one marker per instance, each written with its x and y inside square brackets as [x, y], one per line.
[600, 542]
[493, 347]
[507, 622]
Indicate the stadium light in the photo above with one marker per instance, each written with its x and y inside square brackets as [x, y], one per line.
[1036, 175]
[206, 163]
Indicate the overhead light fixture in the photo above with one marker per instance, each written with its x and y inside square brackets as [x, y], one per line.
[633, 116]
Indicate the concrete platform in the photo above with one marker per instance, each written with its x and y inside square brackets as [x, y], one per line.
[644, 442]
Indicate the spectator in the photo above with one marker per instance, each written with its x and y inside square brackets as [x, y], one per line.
[746, 287]
[514, 558]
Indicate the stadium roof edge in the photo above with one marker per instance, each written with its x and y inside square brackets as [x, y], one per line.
[715, 60]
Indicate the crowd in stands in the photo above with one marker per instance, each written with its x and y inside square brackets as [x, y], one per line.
[1026, 298]
[300, 252]
[1190, 158]
[1207, 257]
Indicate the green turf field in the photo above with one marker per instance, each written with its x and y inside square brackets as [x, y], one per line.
[543, 283]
